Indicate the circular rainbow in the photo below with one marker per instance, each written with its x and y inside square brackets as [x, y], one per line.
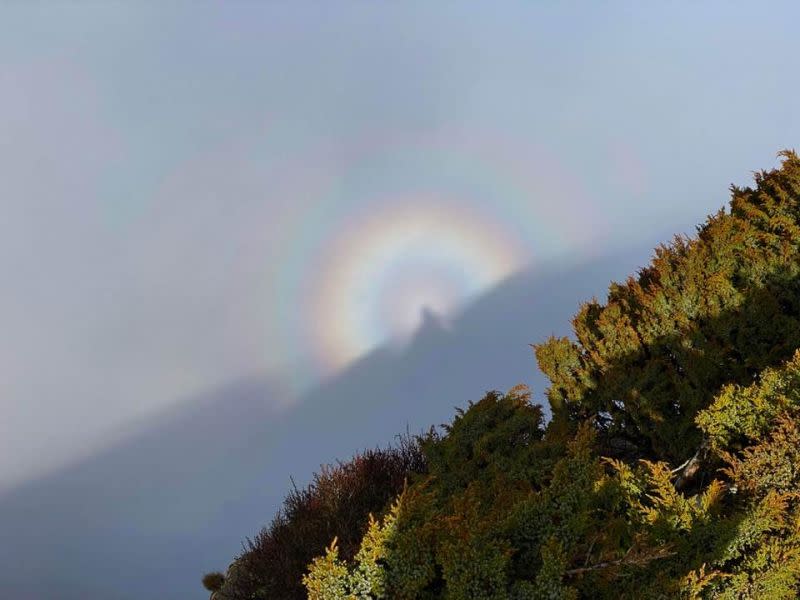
[392, 226]
[384, 268]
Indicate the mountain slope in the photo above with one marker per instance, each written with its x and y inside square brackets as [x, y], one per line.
[151, 514]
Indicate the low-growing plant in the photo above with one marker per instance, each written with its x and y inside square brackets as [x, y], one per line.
[336, 504]
[213, 581]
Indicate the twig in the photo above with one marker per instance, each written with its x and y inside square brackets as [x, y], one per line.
[625, 560]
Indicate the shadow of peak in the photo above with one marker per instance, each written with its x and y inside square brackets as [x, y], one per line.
[429, 318]
[431, 325]
[188, 485]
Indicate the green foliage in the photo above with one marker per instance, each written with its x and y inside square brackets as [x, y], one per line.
[549, 583]
[496, 507]
[762, 557]
[448, 535]
[495, 437]
[707, 311]
[743, 414]
[739, 536]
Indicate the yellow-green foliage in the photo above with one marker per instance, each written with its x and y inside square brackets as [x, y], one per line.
[753, 432]
[742, 414]
[738, 536]
[761, 556]
[329, 578]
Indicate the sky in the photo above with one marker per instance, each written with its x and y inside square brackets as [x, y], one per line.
[191, 193]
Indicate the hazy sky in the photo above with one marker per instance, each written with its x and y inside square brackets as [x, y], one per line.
[190, 193]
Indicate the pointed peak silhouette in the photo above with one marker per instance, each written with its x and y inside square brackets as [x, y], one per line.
[430, 319]
[186, 489]
[432, 325]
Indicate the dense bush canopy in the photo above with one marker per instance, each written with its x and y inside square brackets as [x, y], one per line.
[707, 311]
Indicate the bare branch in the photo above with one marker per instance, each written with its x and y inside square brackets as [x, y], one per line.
[629, 559]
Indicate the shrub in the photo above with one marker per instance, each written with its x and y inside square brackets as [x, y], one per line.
[213, 581]
[336, 504]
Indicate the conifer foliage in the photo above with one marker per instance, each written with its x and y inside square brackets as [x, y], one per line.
[707, 311]
[669, 468]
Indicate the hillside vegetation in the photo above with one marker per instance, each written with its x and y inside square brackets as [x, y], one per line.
[670, 466]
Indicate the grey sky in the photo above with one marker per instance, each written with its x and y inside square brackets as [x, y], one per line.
[166, 170]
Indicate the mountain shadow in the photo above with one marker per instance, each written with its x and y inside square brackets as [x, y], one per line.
[148, 516]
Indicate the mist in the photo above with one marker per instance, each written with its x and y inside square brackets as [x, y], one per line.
[209, 204]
